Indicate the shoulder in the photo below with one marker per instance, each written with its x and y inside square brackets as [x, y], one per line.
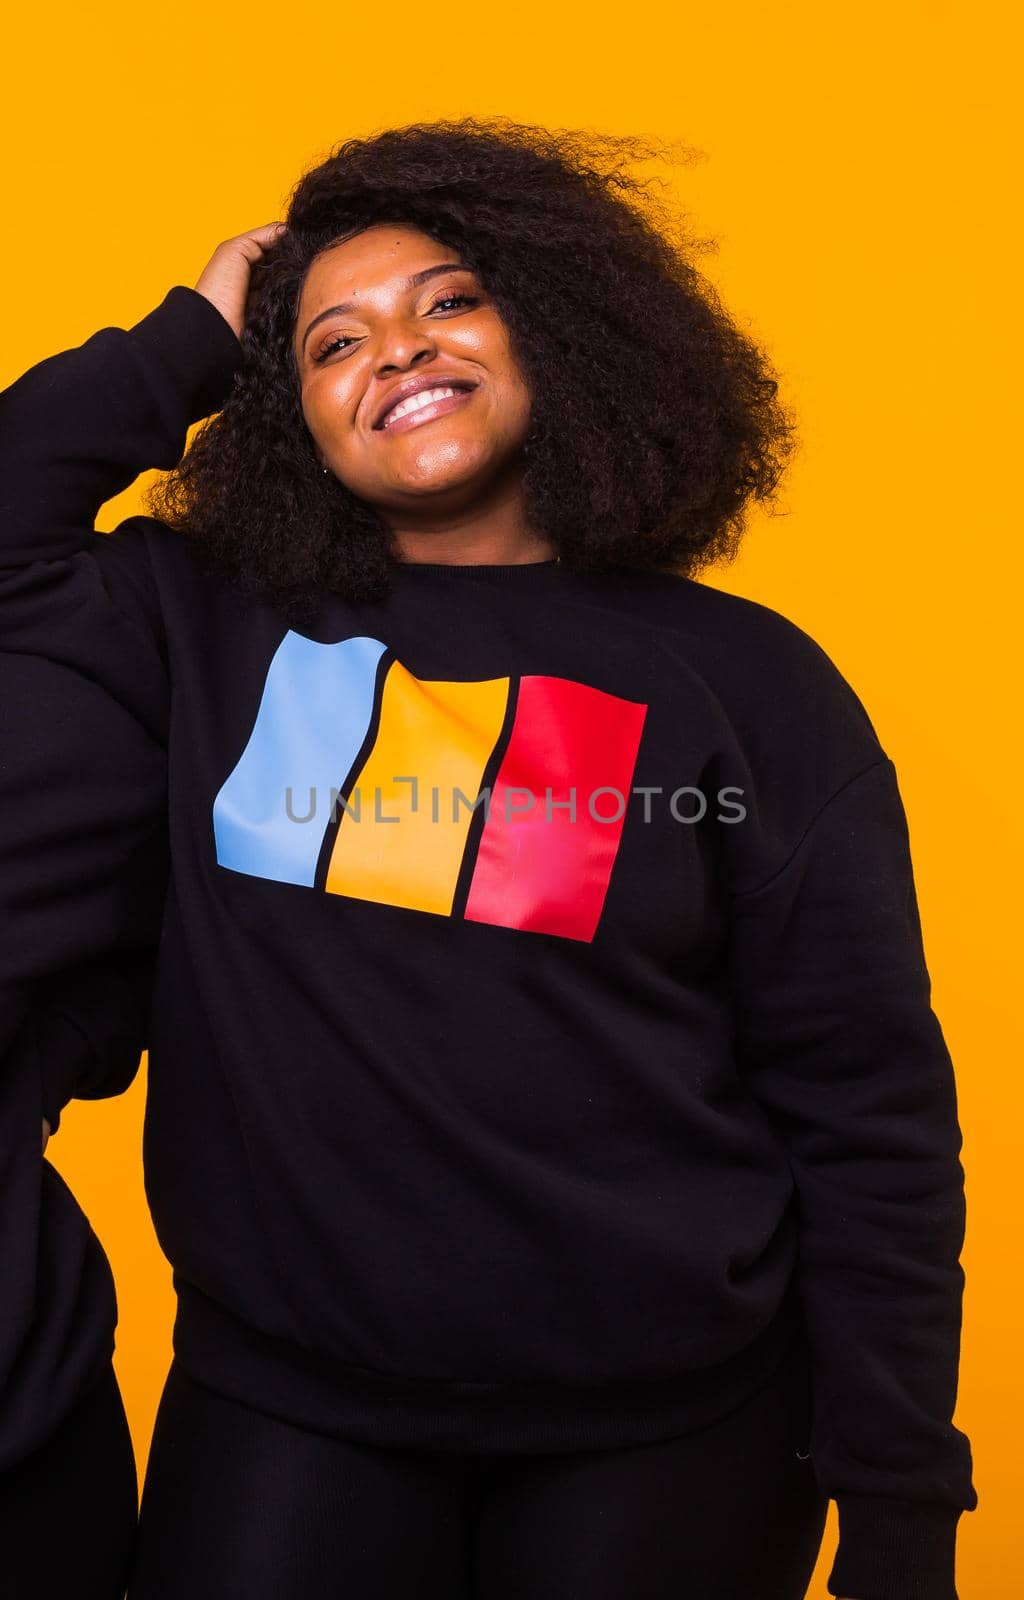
[730, 626]
[790, 721]
[759, 663]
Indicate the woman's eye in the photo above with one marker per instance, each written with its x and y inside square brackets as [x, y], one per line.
[335, 344]
[325, 349]
[454, 299]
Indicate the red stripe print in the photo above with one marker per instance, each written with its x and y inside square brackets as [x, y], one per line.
[537, 868]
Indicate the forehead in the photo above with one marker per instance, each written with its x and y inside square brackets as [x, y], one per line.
[371, 259]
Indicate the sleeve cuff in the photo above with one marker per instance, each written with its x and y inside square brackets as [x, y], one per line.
[893, 1549]
[196, 344]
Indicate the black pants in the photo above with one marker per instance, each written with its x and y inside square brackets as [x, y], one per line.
[239, 1506]
[68, 1511]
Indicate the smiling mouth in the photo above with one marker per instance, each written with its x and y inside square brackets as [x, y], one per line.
[414, 411]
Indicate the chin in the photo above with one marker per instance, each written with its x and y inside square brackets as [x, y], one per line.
[469, 472]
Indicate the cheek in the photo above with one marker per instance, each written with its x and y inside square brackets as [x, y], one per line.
[514, 395]
[326, 406]
[515, 408]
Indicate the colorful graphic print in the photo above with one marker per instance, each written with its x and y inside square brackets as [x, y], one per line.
[409, 757]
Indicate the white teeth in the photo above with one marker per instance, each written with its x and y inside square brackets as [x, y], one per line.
[415, 401]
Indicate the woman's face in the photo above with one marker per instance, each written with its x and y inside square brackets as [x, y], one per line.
[385, 308]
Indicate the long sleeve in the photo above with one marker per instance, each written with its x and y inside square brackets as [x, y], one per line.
[82, 1034]
[837, 1040]
[84, 696]
[75, 430]
[79, 426]
[83, 875]
[84, 683]
[83, 841]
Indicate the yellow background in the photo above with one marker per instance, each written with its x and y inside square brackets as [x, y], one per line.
[857, 176]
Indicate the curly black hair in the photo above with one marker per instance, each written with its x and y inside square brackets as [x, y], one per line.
[675, 418]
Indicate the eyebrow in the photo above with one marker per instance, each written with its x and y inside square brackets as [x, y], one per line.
[410, 283]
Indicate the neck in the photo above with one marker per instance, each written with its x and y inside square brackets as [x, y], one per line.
[496, 532]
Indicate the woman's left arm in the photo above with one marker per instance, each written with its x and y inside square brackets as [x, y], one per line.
[838, 1041]
[91, 1026]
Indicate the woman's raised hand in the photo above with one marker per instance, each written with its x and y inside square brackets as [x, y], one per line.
[225, 278]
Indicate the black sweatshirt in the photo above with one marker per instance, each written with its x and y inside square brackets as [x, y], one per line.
[78, 929]
[542, 1036]
[81, 1035]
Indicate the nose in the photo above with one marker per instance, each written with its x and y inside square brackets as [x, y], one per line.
[402, 345]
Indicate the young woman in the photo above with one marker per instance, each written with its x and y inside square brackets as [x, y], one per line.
[548, 1125]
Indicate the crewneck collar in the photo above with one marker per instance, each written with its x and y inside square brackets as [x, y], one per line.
[507, 573]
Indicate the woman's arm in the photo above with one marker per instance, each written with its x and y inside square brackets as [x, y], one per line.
[83, 833]
[80, 426]
[838, 1041]
[91, 1025]
[84, 698]
[84, 687]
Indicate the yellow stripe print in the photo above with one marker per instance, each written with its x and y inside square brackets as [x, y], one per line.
[440, 734]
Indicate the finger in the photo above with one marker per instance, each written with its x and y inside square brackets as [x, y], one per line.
[268, 234]
[252, 245]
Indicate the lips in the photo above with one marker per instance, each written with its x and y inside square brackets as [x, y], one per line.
[409, 386]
